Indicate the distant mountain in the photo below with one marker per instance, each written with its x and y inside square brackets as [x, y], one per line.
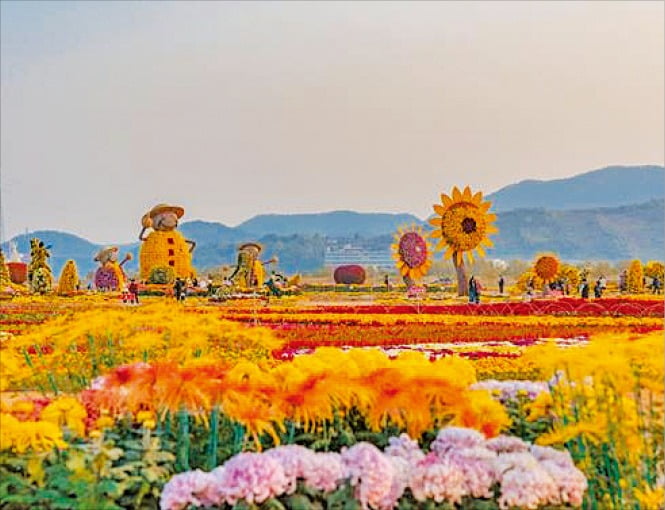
[612, 233]
[66, 246]
[608, 187]
[331, 224]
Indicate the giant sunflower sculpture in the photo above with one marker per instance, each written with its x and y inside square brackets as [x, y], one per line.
[463, 224]
[412, 252]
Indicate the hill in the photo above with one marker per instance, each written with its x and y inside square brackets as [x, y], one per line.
[607, 187]
[65, 246]
[331, 224]
[612, 233]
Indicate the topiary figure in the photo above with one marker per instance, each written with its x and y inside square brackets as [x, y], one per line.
[40, 276]
[350, 275]
[635, 279]
[110, 275]
[165, 246]
[69, 279]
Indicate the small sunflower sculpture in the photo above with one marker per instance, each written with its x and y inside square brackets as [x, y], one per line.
[412, 252]
[546, 267]
[462, 224]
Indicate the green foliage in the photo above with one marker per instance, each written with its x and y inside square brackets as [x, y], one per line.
[104, 475]
[161, 275]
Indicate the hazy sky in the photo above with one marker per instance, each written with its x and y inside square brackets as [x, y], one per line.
[236, 109]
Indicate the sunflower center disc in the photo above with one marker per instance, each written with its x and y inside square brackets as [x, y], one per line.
[468, 225]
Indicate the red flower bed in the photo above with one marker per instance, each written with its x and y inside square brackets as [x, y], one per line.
[562, 306]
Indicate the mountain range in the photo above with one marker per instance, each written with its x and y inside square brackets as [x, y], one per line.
[613, 213]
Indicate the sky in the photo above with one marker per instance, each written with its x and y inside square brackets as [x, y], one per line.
[237, 109]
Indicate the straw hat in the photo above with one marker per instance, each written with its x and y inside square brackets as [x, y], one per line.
[160, 208]
[250, 245]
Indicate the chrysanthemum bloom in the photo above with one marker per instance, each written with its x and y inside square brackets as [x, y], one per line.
[66, 411]
[23, 435]
[371, 473]
[456, 437]
[524, 482]
[506, 444]
[437, 479]
[325, 471]
[296, 461]
[181, 490]
[477, 468]
[405, 448]
[252, 477]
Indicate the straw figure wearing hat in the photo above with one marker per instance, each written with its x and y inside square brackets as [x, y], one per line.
[249, 272]
[165, 248]
[109, 274]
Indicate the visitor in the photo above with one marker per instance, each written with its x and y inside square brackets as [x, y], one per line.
[195, 282]
[598, 289]
[584, 289]
[530, 287]
[474, 296]
[655, 285]
[179, 289]
[603, 283]
[134, 291]
[623, 281]
[125, 293]
[273, 286]
[501, 283]
[386, 282]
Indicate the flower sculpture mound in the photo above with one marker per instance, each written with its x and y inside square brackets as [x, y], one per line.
[546, 267]
[412, 253]
[463, 224]
[350, 275]
[69, 278]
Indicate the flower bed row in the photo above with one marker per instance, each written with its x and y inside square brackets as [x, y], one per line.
[462, 469]
[563, 306]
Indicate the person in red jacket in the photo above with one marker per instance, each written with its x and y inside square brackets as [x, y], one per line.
[134, 291]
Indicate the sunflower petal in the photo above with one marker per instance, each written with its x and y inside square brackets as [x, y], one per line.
[457, 196]
[487, 242]
[446, 200]
[436, 233]
[491, 229]
[490, 218]
[466, 194]
[449, 253]
[477, 198]
[436, 221]
[439, 209]
[481, 251]
[485, 206]
[469, 255]
[441, 245]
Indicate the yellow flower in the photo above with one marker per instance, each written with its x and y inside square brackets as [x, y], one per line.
[540, 407]
[104, 422]
[23, 435]
[66, 411]
[650, 498]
